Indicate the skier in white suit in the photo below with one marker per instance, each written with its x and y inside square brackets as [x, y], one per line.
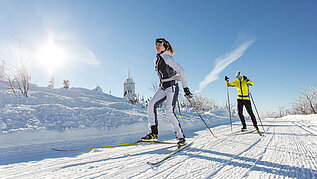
[169, 72]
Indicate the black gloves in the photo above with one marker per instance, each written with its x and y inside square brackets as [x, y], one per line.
[226, 78]
[245, 78]
[187, 93]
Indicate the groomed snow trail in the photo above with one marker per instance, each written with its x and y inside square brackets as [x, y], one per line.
[287, 150]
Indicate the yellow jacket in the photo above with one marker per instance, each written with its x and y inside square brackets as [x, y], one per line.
[242, 88]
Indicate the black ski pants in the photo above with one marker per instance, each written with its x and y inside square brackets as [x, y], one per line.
[247, 105]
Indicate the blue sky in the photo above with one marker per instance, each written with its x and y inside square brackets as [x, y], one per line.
[100, 40]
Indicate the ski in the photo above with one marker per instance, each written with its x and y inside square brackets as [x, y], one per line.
[239, 132]
[244, 132]
[117, 145]
[169, 155]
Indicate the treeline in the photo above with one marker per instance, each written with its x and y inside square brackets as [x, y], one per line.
[306, 103]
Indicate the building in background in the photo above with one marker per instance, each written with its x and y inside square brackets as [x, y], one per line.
[129, 89]
[2, 74]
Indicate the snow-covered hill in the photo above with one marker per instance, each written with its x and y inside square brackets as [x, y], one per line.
[74, 108]
[79, 118]
[57, 115]
[61, 109]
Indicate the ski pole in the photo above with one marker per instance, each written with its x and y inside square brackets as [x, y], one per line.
[200, 116]
[179, 109]
[257, 111]
[229, 108]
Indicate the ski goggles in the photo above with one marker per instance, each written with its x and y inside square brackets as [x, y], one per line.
[238, 76]
[162, 41]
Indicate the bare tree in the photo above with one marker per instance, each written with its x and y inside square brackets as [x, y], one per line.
[16, 73]
[23, 80]
[310, 97]
[66, 84]
[200, 102]
[306, 102]
[282, 111]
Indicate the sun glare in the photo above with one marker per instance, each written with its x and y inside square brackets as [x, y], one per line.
[51, 56]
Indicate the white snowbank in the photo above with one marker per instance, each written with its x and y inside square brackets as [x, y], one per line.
[55, 115]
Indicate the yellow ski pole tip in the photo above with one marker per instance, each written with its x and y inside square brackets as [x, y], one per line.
[179, 116]
[216, 137]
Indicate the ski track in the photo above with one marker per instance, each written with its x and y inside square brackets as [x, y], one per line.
[232, 160]
[306, 128]
[286, 150]
[91, 157]
[204, 145]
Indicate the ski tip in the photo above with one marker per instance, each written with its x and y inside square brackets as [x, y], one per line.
[150, 163]
[55, 149]
[61, 150]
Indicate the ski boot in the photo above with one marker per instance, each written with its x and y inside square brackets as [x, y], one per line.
[244, 129]
[149, 137]
[181, 142]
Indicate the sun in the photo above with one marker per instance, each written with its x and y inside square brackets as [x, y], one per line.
[50, 56]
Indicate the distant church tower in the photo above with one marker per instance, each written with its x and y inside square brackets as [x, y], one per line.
[129, 89]
[2, 74]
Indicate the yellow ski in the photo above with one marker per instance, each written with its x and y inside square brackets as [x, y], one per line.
[117, 145]
[169, 155]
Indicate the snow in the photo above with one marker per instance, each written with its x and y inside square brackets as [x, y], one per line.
[80, 118]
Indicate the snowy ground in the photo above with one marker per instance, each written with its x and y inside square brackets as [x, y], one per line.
[287, 150]
[80, 118]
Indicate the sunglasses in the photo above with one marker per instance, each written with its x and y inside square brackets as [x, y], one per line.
[238, 76]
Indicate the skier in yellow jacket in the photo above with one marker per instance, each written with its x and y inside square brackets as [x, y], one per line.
[242, 84]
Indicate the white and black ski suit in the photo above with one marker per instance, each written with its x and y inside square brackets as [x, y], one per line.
[166, 67]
